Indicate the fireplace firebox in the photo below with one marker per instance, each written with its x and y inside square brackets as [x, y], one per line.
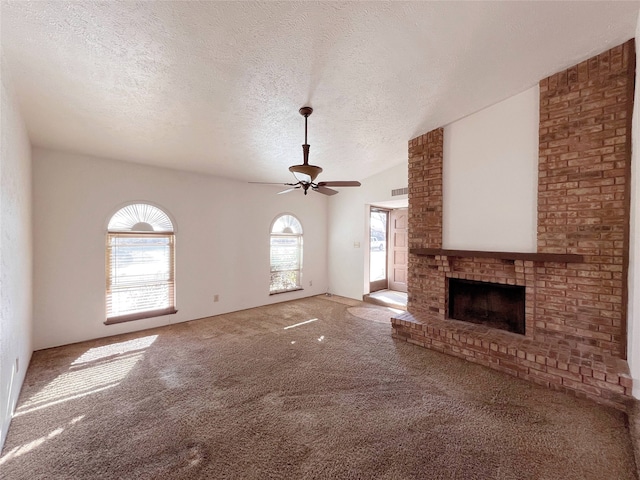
[491, 304]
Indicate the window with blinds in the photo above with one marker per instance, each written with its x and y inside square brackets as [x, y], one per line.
[286, 254]
[140, 261]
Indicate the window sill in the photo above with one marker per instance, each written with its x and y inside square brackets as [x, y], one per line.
[286, 291]
[140, 316]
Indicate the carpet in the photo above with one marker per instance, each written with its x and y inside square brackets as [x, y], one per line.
[344, 300]
[297, 390]
[379, 315]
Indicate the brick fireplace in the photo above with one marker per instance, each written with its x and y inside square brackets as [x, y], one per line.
[575, 284]
[485, 303]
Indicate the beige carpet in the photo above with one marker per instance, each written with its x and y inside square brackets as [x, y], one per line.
[379, 315]
[337, 298]
[259, 394]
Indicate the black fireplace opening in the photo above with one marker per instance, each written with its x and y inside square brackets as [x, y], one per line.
[491, 304]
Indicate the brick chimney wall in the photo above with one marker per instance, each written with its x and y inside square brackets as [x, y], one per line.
[575, 312]
[584, 199]
[425, 284]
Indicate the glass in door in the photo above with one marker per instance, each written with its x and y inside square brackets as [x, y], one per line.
[378, 272]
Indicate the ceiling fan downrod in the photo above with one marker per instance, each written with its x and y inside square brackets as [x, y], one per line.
[305, 112]
[305, 173]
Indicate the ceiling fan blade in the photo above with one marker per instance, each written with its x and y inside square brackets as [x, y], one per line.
[271, 183]
[325, 190]
[288, 190]
[339, 184]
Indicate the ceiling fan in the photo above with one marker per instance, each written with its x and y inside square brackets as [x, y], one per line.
[306, 174]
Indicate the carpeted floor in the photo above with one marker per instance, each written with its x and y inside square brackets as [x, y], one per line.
[259, 394]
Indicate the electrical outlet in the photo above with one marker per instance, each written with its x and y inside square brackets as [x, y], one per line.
[311, 283]
[216, 298]
[356, 244]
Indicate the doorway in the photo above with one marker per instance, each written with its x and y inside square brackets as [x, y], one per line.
[388, 249]
[388, 256]
[378, 235]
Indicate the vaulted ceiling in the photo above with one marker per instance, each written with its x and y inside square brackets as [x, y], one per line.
[215, 87]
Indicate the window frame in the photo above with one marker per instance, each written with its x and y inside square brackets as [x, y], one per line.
[299, 246]
[171, 281]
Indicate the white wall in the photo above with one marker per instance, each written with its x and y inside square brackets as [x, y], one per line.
[490, 177]
[222, 242]
[633, 315]
[15, 255]
[349, 224]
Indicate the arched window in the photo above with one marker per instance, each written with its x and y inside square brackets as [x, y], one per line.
[286, 254]
[140, 264]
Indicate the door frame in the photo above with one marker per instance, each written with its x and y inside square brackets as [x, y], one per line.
[383, 283]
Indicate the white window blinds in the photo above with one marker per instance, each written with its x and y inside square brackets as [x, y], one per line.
[140, 266]
[286, 254]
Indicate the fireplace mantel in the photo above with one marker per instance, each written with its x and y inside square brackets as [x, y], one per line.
[535, 257]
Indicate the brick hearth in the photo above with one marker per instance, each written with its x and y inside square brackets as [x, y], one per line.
[575, 311]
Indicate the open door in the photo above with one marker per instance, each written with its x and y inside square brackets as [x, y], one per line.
[378, 261]
[398, 249]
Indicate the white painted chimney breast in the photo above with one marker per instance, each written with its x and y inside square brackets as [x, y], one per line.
[490, 177]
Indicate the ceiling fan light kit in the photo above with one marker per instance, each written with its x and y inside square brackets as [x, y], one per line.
[306, 174]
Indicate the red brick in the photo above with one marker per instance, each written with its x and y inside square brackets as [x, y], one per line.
[582, 208]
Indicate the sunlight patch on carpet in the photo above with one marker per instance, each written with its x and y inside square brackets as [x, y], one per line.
[301, 323]
[96, 370]
[27, 447]
[17, 451]
[373, 314]
[119, 348]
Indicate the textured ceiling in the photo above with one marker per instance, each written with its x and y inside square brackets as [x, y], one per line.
[215, 87]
